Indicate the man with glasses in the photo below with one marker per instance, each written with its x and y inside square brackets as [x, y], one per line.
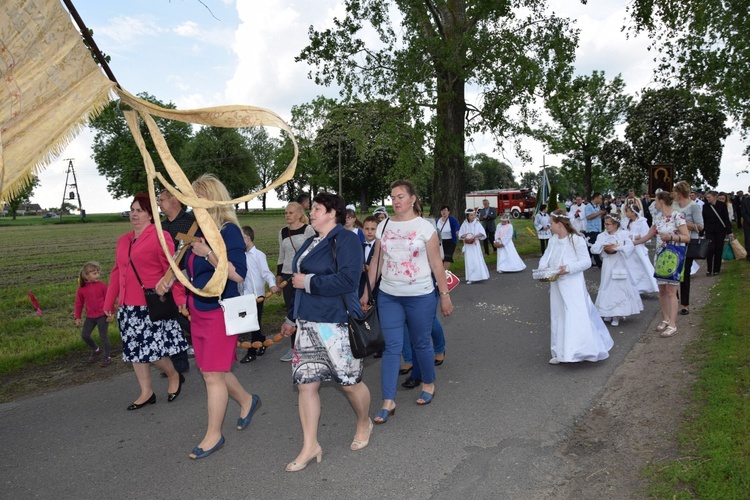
[177, 220]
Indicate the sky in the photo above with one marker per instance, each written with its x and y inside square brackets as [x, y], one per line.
[242, 52]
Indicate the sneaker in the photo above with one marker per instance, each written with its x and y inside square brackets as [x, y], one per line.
[106, 362]
[95, 355]
[615, 322]
[288, 356]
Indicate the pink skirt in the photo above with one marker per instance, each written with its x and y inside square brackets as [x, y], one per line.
[215, 351]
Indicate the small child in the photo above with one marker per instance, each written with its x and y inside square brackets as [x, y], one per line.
[618, 296]
[471, 233]
[508, 260]
[91, 293]
[369, 228]
[258, 276]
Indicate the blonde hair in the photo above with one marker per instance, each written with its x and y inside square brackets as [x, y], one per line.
[212, 188]
[682, 188]
[302, 216]
[87, 268]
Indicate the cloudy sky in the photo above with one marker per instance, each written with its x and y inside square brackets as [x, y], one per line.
[242, 52]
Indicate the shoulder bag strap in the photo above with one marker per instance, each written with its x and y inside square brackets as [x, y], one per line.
[132, 264]
[718, 216]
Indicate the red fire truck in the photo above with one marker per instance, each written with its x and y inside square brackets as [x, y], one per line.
[516, 202]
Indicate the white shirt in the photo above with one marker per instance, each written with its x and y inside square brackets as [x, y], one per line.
[406, 269]
[258, 273]
[368, 248]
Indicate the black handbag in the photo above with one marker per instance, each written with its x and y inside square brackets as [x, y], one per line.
[365, 335]
[160, 307]
[697, 248]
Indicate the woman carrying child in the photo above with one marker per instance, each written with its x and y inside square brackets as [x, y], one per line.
[618, 295]
[90, 295]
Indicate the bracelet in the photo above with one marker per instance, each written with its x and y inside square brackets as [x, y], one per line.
[447, 292]
[209, 253]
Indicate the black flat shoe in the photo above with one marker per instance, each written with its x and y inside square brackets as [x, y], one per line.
[248, 358]
[439, 362]
[411, 383]
[404, 371]
[684, 312]
[172, 396]
[261, 351]
[149, 401]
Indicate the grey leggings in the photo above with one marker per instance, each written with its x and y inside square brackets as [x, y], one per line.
[88, 327]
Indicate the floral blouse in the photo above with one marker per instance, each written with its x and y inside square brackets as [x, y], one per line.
[669, 224]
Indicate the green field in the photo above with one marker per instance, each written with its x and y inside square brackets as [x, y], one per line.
[45, 256]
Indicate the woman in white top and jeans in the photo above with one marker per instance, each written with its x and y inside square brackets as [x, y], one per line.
[408, 253]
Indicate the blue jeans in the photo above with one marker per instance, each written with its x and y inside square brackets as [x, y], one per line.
[438, 341]
[418, 314]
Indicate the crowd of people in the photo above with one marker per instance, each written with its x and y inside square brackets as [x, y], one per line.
[332, 267]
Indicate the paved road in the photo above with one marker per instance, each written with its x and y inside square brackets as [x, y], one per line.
[493, 431]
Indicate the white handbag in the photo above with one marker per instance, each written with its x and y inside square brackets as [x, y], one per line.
[240, 313]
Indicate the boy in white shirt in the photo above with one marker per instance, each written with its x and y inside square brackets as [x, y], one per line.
[258, 276]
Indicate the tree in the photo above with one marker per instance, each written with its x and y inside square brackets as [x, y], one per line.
[671, 125]
[23, 196]
[584, 112]
[495, 174]
[262, 148]
[307, 119]
[704, 45]
[552, 200]
[530, 180]
[116, 155]
[223, 151]
[508, 49]
[372, 146]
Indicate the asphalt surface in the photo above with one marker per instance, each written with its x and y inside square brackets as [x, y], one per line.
[499, 416]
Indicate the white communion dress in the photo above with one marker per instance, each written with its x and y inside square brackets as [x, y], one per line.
[475, 266]
[638, 262]
[508, 260]
[618, 295]
[577, 332]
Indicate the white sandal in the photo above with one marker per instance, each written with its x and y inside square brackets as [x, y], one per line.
[661, 326]
[669, 332]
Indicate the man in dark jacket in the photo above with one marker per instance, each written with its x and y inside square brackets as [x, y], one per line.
[717, 227]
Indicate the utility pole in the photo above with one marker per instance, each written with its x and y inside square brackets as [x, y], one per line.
[71, 196]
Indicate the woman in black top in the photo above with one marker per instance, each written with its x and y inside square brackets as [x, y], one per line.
[717, 226]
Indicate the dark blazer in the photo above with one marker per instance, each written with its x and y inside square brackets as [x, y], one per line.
[489, 222]
[323, 304]
[363, 279]
[201, 271]
[745, 207]
[712, 223]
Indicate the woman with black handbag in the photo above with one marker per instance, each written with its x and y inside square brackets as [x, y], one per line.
[322, 352]
[144, 341]
[718, 228]
[694, 222]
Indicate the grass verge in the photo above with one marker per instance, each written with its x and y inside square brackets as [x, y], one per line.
[715, 439]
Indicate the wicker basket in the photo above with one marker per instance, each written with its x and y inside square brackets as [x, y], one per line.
[545, 275]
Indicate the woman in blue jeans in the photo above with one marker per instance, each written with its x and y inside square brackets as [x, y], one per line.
[408, 256]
